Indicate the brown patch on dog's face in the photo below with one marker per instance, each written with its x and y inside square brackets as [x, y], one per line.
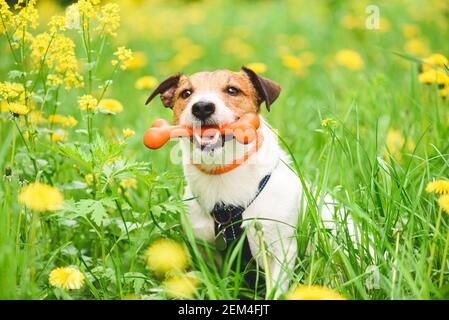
[231, 94]
[234, 89]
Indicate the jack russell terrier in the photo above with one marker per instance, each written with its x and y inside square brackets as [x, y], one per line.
[237, 189]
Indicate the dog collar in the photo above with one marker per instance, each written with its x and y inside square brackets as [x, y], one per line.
[236, 163]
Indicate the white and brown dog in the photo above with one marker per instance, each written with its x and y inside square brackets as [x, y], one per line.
[222, 173]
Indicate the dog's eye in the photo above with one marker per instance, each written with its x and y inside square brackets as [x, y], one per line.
[233, 91]
[186, 93]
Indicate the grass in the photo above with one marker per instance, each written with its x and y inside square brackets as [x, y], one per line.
[104, 228]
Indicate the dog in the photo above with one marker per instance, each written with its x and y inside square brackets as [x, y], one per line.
[251, 186]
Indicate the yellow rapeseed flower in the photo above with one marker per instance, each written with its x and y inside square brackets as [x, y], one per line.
[165, 255]
[349, 59]
[109, 19]
[257, 67]
[68, 278]
[123, 57]
[303, 292]
[128, 133]
[182, 286]
[443, 202]
[87, 102]
[18, 109]
[146, 83]
[110, 106]
[438, 186]
[41, 197]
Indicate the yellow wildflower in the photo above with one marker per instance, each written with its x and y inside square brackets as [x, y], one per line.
[351, 22]
[41, 197]
[18, 109]
[291, 62]
[128, 183]
[89, 178]
[434, 60]
[109, 19]
[69, 122]
[123, 55]
[313, 293]
[55, 118]
[444, 92]
[9, 90]
[110, 106]
[72, 17]
[87, 102]
[395, 142]
[416, 47]
[410, 31]
[36, 117]
[68, 278]
[349, 59]
[165, 255]
[139, 60]
[181, 286]
[58, 136]
[327, 122]
[443, 202]
[128, 133]
[146, 83]
[4, 106]
[257, 67]
[434, 76]
[438, 186]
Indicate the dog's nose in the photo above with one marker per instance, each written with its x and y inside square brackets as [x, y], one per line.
[203, 109]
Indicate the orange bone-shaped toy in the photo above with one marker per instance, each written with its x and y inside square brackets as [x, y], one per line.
[243, 130]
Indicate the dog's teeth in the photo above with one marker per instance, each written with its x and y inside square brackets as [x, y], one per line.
[198, 138]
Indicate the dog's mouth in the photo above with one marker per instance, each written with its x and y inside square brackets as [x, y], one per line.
[209, 139]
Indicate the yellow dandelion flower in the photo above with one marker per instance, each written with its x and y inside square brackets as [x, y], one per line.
[444, 92]
[313, 293]
[4, 107]
[56, 118]
[434, 60]
[416, 47]
[18, 109]
[395, 142]
[41, 197]
[410, 31]
[128, 133]
[110, 106]
[349, 59]
[443, 202]
[257, 67]
[182, 286]
[291, 62]
[68, 278]
[434, 76]
[146, 83]
[138, 61]
[165, 255]
[438, 186]
[87, 102]
[128, 183]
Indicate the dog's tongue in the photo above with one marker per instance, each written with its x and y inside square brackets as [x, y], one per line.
[207, 139]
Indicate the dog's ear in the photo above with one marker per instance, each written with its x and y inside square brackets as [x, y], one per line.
[267, 90]
[167, 90]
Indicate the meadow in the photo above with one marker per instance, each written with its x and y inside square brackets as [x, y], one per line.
[87, 212]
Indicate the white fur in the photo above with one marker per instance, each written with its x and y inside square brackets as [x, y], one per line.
[276, 208]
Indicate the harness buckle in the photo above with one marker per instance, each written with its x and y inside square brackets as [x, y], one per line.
[228, 218]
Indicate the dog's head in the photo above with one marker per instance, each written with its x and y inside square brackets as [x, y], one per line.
[215, 98]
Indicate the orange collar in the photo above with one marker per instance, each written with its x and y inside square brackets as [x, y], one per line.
[236, 163]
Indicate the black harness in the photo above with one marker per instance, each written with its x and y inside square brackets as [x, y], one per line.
[228, 229]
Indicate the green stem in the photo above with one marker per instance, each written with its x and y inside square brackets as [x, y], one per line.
[433, 247]
[443, 261]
